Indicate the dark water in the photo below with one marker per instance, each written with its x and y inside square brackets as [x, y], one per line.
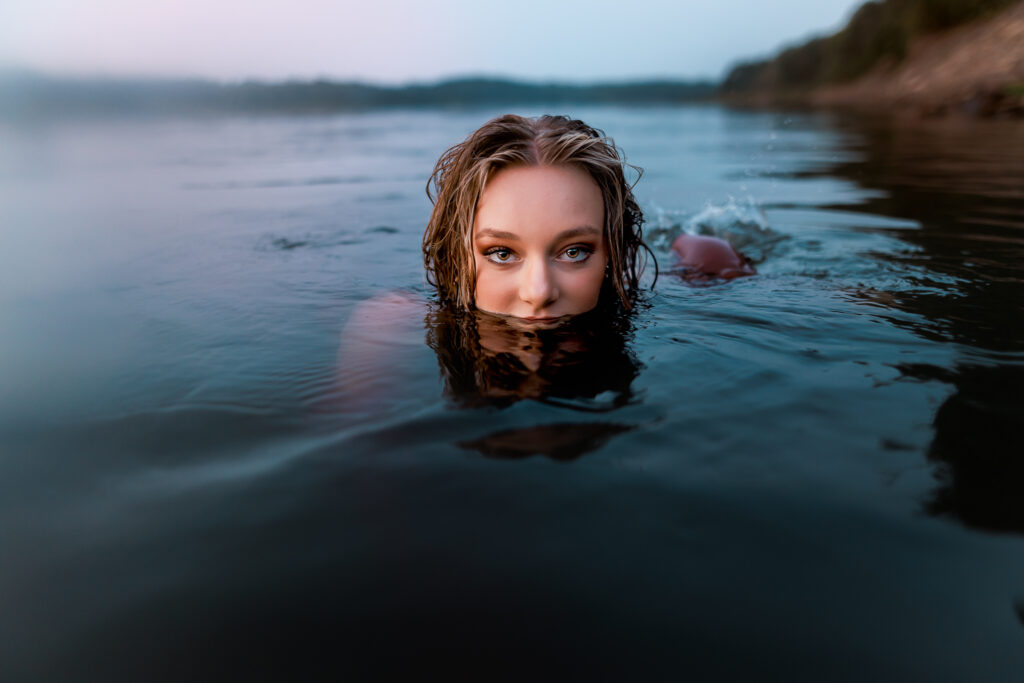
[235, 443]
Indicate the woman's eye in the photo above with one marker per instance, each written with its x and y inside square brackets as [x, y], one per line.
[499, 255]
[576, 253]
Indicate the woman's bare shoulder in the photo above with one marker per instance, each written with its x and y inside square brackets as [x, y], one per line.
[381, 350]
[390, 315]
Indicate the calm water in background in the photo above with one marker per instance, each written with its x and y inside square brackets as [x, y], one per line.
[812, 474]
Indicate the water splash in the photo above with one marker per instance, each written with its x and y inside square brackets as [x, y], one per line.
[741, 223]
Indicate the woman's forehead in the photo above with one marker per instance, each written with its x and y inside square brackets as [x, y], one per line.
[557, 198]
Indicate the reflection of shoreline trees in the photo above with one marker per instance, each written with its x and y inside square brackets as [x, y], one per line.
[962, 184]
[977, 447]
[583, 364]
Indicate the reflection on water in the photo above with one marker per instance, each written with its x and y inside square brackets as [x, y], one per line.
[583, 364]
[964, 183]
[977, 448]
[562, 441]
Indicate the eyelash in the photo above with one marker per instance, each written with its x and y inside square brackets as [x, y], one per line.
[585, 253]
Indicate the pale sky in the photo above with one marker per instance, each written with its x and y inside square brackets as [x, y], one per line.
[398, 41]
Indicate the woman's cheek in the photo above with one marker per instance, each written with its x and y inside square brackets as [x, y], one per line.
[490, 287]
[584, 287]
[595, 284]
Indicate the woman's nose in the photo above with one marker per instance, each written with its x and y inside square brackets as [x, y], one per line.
[538, 287]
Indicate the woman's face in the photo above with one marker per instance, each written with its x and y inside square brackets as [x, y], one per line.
[538, 243]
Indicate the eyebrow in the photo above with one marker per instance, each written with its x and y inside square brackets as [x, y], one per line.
[578, 231]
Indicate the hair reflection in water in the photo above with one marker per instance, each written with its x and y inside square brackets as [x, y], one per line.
[583, 364]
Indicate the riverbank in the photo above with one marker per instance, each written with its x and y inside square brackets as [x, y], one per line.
[976, 69]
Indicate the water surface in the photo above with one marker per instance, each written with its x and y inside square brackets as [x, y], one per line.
[811, 474]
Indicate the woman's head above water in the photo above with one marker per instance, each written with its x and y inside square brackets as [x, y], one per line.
[533, 218]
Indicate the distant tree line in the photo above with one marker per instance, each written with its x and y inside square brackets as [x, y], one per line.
[877, 32]
[27, 95]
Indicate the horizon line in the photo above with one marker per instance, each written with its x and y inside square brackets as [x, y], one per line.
[7, 71]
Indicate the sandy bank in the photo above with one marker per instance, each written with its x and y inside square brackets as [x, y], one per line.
[975, 69]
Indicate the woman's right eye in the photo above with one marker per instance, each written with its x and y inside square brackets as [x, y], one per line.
[499, 255]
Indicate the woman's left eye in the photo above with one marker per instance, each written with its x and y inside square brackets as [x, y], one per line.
[576, 254]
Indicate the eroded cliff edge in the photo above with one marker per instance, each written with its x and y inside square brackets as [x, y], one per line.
[894, 55]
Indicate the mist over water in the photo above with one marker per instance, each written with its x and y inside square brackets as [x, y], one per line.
[808, 474]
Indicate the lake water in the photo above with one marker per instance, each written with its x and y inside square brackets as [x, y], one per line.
[811, 474]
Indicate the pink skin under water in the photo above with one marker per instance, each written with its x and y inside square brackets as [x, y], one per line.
[709, 258]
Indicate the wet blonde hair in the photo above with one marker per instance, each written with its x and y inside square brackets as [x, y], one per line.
[462, 172]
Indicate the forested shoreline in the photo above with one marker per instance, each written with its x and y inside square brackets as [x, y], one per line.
[26, 95]
[933, 55]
